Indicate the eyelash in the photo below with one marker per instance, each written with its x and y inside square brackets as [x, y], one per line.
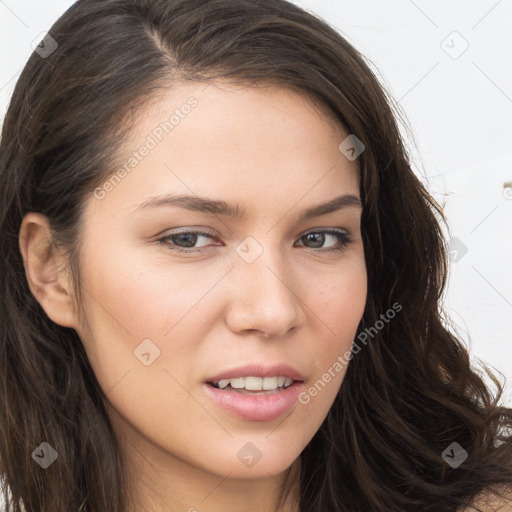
[344, 237]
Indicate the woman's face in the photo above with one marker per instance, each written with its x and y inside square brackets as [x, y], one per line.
[166, 311]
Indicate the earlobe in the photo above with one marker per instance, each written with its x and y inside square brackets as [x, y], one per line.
[46, 269]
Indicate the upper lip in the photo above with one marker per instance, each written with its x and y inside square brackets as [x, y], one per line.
[259, 370]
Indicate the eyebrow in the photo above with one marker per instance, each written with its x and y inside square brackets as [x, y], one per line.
[217, 207]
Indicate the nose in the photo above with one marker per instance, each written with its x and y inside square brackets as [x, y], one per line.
[264, 297]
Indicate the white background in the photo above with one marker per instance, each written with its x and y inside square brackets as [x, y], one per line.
[459, 106]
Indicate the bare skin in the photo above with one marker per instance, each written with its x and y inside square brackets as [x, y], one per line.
[275, 153]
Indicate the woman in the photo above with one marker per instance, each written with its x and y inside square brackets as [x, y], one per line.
[222, 280]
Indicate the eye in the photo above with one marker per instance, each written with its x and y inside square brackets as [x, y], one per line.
[185, 241]
[187, 238]
[319, 237]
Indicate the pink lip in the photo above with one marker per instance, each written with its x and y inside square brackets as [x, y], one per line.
[256, 407]
[258, 370]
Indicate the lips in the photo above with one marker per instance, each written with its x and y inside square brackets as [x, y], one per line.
[258, 370]
[255, 407]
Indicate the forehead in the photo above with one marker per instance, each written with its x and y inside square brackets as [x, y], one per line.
[221, 106]
[219, 138]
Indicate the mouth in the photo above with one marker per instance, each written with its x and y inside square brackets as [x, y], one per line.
[256, 392]
[253, 385]
[254, 404]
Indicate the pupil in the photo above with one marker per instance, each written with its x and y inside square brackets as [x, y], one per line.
[319, 238]
[192, 239]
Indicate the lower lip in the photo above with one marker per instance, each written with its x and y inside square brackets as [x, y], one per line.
[256, 407]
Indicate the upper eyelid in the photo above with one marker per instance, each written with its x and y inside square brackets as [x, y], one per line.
[205, 232]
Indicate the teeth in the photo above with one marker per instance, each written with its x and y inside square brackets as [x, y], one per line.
[269, 383]
[223, 383]
[256, 383]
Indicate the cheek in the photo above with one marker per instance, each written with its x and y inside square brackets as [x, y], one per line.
[128, 302]
[336, 311]
[340, 303]
[131, 294]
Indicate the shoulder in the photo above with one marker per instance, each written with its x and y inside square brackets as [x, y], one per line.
[488, 501]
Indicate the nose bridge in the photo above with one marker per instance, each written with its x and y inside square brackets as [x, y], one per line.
[266, 299]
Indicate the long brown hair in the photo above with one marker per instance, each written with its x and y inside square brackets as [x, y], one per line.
[408, 394]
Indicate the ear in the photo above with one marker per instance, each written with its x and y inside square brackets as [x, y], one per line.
[46, 270]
